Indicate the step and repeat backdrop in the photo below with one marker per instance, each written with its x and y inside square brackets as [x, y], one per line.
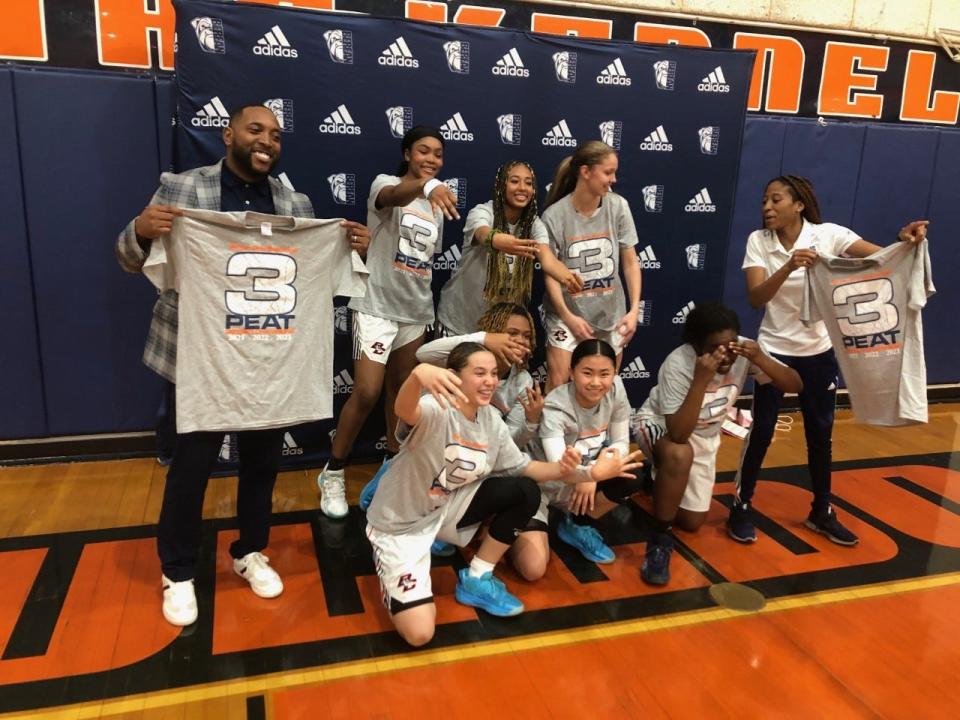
[346, 88]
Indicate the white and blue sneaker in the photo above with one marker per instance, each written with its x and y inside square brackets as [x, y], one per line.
[442, 549]
[370, 489]
[487, 593]
[585, 539]
[333, 494]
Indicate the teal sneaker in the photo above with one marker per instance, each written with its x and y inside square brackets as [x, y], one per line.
[366, 495]
[585, 539]
[487, 593]
[443, 549]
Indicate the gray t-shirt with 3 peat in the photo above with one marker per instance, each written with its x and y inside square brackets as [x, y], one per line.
[590, 246]
[675, 378]
[442, 453]
[461, 299]
[588, 430]
[403, 242]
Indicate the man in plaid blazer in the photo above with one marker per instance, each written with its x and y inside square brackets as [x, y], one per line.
[239, 181]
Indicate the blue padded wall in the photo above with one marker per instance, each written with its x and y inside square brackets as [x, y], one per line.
[85, 174]
[21, 387]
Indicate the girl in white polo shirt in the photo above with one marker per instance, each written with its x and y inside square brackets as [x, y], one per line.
[775, 264]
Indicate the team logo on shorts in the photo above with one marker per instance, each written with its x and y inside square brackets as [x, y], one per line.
[653, 198]
[458, 186]
[377, 348]
[714, 82]
[665, 74]
[448, 260]
[340, 46]
[343, 187]
[340, 122]
[400, 119]
[341, 320]
[406, 583]
[565, 65]
[560, 335]
[700, 203]
[611, 132]
[614, 74]
[709, 139]
[696, 256]
[510, 65]
[657, 141]
[398, 54]
[282, 108]
[681, 317]
[645, 313]
[209, 31]
[458, 56]
[509, 125]
[456, 129]
[275, 44]
[559, 136]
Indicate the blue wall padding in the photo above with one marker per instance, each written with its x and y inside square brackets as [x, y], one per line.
[22, 411]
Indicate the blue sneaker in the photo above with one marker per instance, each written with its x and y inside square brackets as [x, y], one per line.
[366, 495]
[487, 593]
[740, 523]
[585, 539]
[443, 549]
[656, 561]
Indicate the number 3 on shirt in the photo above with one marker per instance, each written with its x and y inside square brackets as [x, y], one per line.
[865, 308]
[591, 257]
[418, 236]
[271, 292]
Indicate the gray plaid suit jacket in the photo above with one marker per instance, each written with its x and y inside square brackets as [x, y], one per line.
[198, 189]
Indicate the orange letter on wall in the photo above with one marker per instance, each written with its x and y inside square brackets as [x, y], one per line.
[917, 84]
[429, 11]
[22, 35]
[657, 34]
[123, 32]
[571, 25]
[840, 81]
[787, 59]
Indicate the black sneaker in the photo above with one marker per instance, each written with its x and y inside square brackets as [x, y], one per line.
[656, 560]
[827, 524]
[740, 523]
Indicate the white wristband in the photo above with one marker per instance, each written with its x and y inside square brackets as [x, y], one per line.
[430, 185]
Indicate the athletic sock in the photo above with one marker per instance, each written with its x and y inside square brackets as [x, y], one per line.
[479, 567]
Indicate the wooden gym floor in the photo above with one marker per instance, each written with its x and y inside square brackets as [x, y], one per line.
[846, 633]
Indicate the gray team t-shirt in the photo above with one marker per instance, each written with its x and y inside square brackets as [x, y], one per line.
[443, 452]
[871, 308]
[461, 299]
[591, 247]
[588, 430]
[675, 378]
[403, 242]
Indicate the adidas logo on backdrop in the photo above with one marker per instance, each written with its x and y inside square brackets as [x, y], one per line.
[340, 122]
[565, 65]
[510, 65]
[648, 261]
[701, 202]
[209, 31]
[285, 181]
[340, 46]
[665, 74]
[343, 187]
[211, 115]
[611, 132]
[448, 260]
[458, 186]
[341, 320]
[559, 136]
[398, 54]
[614, 74]
[282, 108]
[275, 44]
[456, 129]
[709, 139]
[645, 313]
[653, 198]
[400, 119]
[290, 446]
[635, 370]
[458, 56]
[342, 383]
[714, 82]
[509, 128]
[540, 374]
[657, 141]
[681, 317]
[696, 256]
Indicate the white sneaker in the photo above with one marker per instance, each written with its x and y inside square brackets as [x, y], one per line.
[179, 602]
[255, 569]
[333, 497]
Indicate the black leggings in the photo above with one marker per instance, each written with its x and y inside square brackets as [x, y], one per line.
[511, 501]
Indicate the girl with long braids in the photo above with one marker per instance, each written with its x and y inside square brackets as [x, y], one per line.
[775, 264]
[593, 234]
[502, 239]
[405, 215]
